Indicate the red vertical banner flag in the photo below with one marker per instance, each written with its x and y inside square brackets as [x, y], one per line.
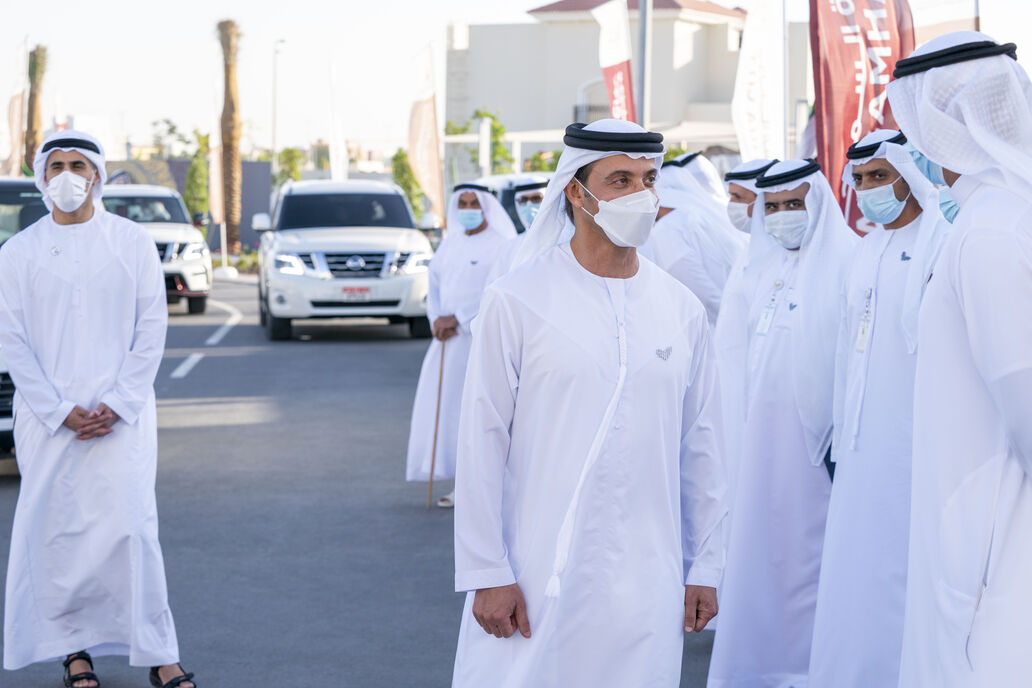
[614, 56]
[855, 46]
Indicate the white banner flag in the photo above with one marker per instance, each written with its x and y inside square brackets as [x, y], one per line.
[758, 105]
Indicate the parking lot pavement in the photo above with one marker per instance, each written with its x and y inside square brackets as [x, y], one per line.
[296, 554]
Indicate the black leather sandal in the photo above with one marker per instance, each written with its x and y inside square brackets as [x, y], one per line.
[70, 680]
[155, 680]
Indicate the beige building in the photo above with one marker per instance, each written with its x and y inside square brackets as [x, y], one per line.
[540, 76]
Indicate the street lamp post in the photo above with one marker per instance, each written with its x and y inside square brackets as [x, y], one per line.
[275, 72]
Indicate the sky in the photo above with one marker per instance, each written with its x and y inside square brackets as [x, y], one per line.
[119, 65]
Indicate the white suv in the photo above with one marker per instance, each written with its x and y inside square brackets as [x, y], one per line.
[341, 250]
[184, 252]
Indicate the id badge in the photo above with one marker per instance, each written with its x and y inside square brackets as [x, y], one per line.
[763, 327]
[863, 333]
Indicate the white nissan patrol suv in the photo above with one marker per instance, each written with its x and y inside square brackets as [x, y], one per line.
[183, 250]
[341, 250]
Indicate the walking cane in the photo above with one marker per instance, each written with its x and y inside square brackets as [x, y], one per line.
[437, 422]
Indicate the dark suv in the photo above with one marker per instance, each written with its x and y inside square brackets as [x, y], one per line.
[21, 204]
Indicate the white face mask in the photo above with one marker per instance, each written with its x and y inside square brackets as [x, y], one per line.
[738, 213]
[788, 227]
[68, 191]
[626, 220]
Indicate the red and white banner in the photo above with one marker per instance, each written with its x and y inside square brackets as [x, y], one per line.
[855, 46]
[614, 56]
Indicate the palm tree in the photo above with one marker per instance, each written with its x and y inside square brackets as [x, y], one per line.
[34, 121]
[229, 35]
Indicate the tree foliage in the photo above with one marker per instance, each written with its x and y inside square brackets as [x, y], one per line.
[672, 152]
[501, 159]
[404, 178]
[195, 192]
[545, 161]
[166, 137]
[290, 161]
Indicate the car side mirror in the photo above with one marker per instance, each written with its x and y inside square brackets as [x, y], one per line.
[201, 219]
[429, 222]
[261, 222]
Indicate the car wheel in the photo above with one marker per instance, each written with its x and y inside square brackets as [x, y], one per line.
[197, 304]
[419, 328]
[277, 329]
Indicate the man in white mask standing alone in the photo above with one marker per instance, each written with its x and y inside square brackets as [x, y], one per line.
[799, 248]
[82, 325]
[590, 481]
[965, 103]
[478, 230]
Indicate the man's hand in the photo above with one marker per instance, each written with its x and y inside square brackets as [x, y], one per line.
[700, 605]
[445, 327]
[501, 611]
[76, 419]
[97, 423]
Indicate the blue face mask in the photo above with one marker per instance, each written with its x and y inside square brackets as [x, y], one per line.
[471, 218]
[880, 204]
[947, 205]
[931, 170]
[528, 211]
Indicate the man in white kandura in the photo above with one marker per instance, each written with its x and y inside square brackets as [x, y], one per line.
[527, 197]
[705, 174]
[82, 325]
[741, 187]
[478, 227]
[857, 639]
[799, 249]
[965, 102]
[741, 191]
[693, 239]
[590, 482]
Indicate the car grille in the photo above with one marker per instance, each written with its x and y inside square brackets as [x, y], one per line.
[6, 395]
[309, 260]
[355, 264]
[355, 304]
[167, 251]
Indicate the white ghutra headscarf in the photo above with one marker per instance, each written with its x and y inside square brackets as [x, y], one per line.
[964, 102]
[585, 144]
[70, 140]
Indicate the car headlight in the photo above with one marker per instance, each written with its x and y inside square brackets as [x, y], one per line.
[417, 262]
[194, 251]
[289, 264]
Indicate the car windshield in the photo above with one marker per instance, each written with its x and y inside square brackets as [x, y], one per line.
[20, 206]
[146, 208]
[344, 210]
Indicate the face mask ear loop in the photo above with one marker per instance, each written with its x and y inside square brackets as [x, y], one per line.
[590, 194]
[909, 193]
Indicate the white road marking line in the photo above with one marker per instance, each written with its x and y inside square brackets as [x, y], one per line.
[235, 316]
[184, 368]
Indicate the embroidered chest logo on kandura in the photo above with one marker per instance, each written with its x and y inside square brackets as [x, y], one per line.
[664, 354]
[904, 257]
[793, 306]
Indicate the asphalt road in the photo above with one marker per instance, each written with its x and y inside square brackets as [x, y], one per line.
[296, 554]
